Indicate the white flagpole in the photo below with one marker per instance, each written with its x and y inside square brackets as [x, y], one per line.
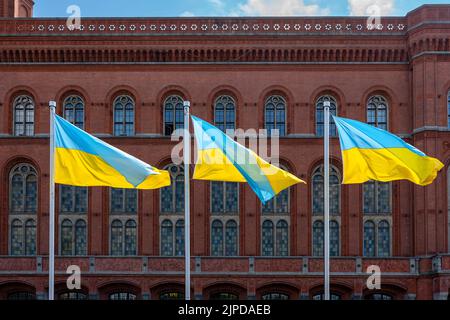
[326, 170]
[187, 229]
[51, 215]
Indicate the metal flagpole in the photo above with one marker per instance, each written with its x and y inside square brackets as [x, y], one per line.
[187, 229]
[326, 169]
[51, 215]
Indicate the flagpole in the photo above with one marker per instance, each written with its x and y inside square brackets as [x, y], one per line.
[51, 215]
[326, 169]
[187, 229]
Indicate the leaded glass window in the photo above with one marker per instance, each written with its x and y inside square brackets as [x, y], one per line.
[17, 238]
[66, 238]
[130, 238]
[282, 238]
[30, 237]
[275, 115]
[267, 238]
[318, 239]
[73, 110]
[122, 296]
[172, 197]
[377, 112]
[320, 115]
[123, 116]
[23, 116]
[384, 239]
[173, 114]
[318, 191]
[231, 238]
[73, 199]
[224, 197]
[80, 238]
[166, 238]
[275, 296]
[116, 238]
[334, 239]
[225, 113]
[23, 188]
[377, 197]
[217, 238]
[369, 239]
[123, 201]
[278, 204]
[179, 238]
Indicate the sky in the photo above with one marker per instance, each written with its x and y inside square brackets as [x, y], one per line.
[202, 8]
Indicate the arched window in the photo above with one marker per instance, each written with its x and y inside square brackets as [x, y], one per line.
[318, 191]
[166, 238]
[275, 296]
[282, 239]
[224, 240]
[130, 238]
[318, 239]
[224, 197]
[172, 197]
[172, 238]
[73, 212]
[384, 239]
[369, 239]
[173, 114]
[122, 296]
[320, 115]
[377, 112]
[377, 198]
[73, 110]
[23, 209]
[275, 115]
[123, 116]
[334, 239]
[225, 113]
[267, 238]
[116, 238]
[23, 107]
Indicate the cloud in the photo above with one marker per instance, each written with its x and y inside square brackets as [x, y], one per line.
[281, 8]
[371, 7]
[187, 14]
[217, 3]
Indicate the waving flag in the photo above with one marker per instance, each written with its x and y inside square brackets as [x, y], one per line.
[220, 158]
[84, 160]
[370, 153]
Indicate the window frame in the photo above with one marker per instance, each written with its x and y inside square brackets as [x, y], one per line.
[225, 111]
[333, 111]
[124, 122]
[74, 107]
[275, 123]
[174, 109]
[15, 105]
[377, 105]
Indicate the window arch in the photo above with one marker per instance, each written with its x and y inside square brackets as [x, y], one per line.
[377, 112]
[369, 239]
[318, 191]
[224, 238]
[23, 209]
[66, 238]
[318, 238]
[73, 110]
[173, 114]
[334, 239]
[116, 238]
[384, 239]
[320, 115]
[282, 238]
[172, 238]
[267, 238]
[225, 113]
[275, 114]
[130, 238]
[172, 197]
[23, 113]
[123, 116]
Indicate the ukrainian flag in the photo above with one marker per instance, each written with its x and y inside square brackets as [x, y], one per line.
[370, 153]
[83, 160]
[220, 158]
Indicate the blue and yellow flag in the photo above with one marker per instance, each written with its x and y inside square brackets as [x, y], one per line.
[220, 158]
[370, 153]
[84, 160]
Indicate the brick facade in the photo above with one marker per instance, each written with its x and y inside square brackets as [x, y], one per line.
[406, 59]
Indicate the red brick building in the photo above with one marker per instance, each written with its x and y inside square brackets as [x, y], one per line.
[123, 80]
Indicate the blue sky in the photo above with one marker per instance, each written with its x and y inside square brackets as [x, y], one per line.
[175, 8]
